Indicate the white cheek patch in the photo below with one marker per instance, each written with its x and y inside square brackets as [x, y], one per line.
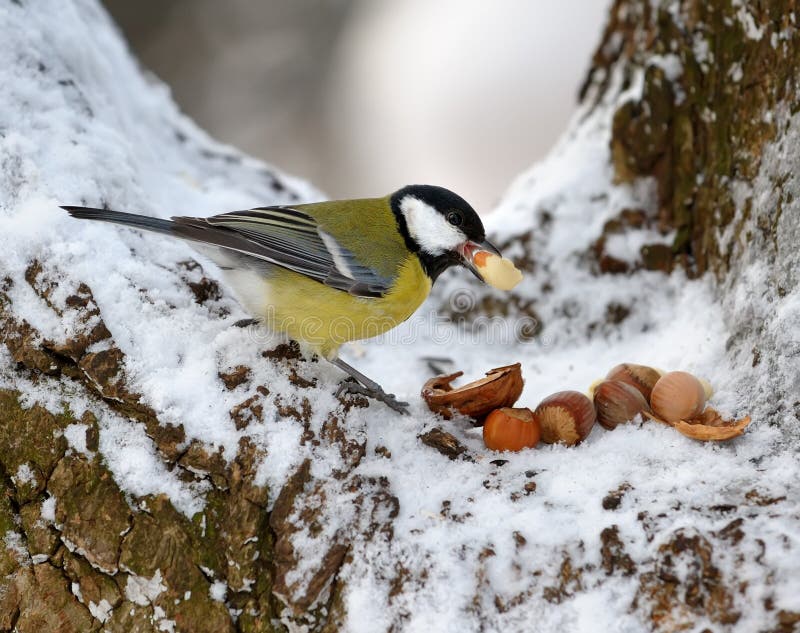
[429, 228]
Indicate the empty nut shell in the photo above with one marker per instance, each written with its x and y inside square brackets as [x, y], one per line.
[510, 429]
[618, 402]
[501, 387]
[565, 416]
[677, 396]
[642, 377]
[711, 426]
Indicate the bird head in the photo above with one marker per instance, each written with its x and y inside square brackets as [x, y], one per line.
[440, 227]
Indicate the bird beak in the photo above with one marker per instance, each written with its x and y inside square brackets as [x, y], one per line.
[467, 252]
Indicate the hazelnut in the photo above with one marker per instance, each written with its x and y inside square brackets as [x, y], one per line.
[640, 376]
[510, 429]
[501, 387]
[618, 402]
[565, 416]
[677, 396]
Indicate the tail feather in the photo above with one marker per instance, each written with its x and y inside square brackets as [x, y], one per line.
[128, 219]
[186, 228]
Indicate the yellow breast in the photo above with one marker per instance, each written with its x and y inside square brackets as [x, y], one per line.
[325, 318]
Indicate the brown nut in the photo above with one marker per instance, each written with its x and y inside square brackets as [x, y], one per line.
[500, 388]
[509, 429]
[642, 377]
[618, 402]
[677, 396]
[565, 416]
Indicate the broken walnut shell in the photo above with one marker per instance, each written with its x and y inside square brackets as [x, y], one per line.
[501, 387]
[565, 416]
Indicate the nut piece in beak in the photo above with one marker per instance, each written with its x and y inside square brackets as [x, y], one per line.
[496, 271]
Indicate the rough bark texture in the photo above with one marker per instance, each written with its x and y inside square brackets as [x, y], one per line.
[715, 86]
[713, 74]
[715, 89]
[106, 562]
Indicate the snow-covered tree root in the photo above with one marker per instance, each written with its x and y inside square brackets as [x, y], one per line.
[166, 471]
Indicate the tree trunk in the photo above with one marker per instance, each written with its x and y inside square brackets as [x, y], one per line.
[713, 88]
[714, 76]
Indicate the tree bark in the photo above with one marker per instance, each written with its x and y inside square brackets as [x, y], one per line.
[714, 87]
[713, 76]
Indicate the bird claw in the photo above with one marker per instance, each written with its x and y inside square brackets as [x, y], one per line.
[389, 399]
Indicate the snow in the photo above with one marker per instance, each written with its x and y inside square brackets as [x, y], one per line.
[627, 246]
[143, 591]
[24, 475]
[702, 53]
[101, 610]
[163, 623]
[14, 544]
[748, 22]
[671, 65]
[49, 509]
[218, 590]
[132, 458]
[76, 436]
[466, 537]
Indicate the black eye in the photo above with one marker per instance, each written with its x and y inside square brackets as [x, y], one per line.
[455, 218]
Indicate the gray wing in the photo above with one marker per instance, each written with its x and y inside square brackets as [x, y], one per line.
[291, 239]
[283, 236]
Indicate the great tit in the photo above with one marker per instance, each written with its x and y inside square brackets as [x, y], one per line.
[331, 272]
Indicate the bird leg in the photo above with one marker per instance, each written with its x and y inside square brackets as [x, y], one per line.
[365, 387]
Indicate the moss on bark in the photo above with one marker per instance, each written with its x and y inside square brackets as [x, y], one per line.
[712, 74]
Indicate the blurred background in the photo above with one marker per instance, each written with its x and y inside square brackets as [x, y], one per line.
[364, 96]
